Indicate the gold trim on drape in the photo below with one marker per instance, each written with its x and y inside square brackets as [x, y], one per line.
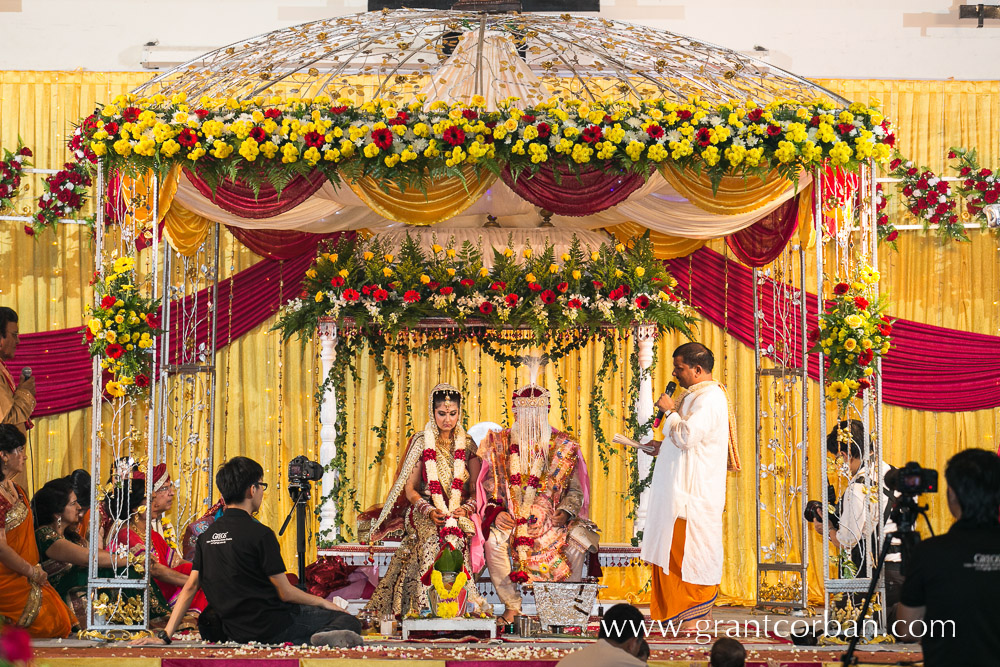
[664, 245]
[734, 195]
[185, 231]
[445, 198]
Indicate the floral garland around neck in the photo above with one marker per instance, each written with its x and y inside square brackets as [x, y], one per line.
[524, 491]
[450, 533]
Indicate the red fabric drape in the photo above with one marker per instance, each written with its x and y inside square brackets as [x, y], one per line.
[238, 198]
[279, 243]
[760, 243]
[969, 361]
[590, 192]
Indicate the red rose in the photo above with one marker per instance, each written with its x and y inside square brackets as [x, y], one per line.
[684, 114]
[983, 173]
[845, 128]
[548, 296]
[382, 138]
[544, 130]
[625, 290]
[336, 281]
[755, 115]
[468, 282]
[153, 320]
[336, 110]
[432, 285]
[885, 329]
[88, 335]
[642, 302]
[316, 140]
[380, 294]
[434, 486]
[655, 131]
[890, 140]
[592, 134]
[951, 155]
[704, 136]
[895, 164]
[447, 290]
[470, 114]
[814, 121]
[562, 287]
[457, 483]
[511, 300]
[141, 380]
[486, 308]
[428, 454]
[108, 301]
[912, 171]
[865, 357]
[773, 130]
[498, 286]
[965, 171]
[411, 296]
[534, 287]
[528, 118]
[459, 454]
[891, 236]
[114, 350]
[351, 295]
[187, 137]
[991, 196]
[575, 304]
[454, 136]
[615, 294]
[111, 128]
[861, 302]
[840, 288]
[25, 151]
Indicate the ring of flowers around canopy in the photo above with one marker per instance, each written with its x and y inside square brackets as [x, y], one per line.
[272, 140]
[854, 334]
[122, 329]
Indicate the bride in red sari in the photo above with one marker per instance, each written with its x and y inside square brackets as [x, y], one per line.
[25, 594]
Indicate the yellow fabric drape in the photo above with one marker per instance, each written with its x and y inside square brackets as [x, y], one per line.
[185, 231]
[137, 190]
[445, 198]
[734, 195]
[952, 285]
[664, 245]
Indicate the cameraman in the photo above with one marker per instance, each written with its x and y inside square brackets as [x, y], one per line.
[949, 600]
[857, 511]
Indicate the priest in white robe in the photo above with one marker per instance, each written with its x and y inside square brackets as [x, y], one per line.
[682, 539]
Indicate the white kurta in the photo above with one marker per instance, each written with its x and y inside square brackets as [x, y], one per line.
[689, 482]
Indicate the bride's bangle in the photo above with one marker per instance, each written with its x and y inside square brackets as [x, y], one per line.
[423, 507]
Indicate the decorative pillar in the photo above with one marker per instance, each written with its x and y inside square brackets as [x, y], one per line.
[328, 430]
[645, 338]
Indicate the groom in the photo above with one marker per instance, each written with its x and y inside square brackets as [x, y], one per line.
[533, 495]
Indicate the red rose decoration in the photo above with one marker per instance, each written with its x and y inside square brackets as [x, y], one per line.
[108, 301]
[642, 302]
[447, 290]
[511, 300]
[498, 286]
[114, 350]
[840, 288]
[153, 320]
[351, 295]
[548, 296]
[562, 287]
[382, 138]
[515, 479]
[470, 114]
[367, 290]
[528, 118]
[271, 113]
[111, 129]
[460, 454]
[434, 486]
[380, 294]
[486, 308]
[337, 281]
[25, 151]
[575, 304]
[625, 290]
[457, 483]
[891, 236]
[534, 287]
[432, 285]
[895, 164]
[141, 380]
[411, 296]
[684, 114]
[258, 134]
[316, 140]
[428, 454]
[773, 130]
[865, 357]
[754, 115]
[336, 110]
[861, 302]
[88, 335]
[991, 196]
[468, 282]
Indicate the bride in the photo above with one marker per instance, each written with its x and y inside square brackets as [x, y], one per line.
[432, 500]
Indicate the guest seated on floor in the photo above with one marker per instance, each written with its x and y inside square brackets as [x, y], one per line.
[620, 641]
[65, 554]
[26, 598]
[79, 479]
[127, 505]
[239, 565]
[727, 652]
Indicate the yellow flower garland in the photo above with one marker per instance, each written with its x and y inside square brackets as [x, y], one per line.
[447, 606]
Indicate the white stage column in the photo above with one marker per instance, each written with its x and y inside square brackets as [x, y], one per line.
[645, 338]
[328, 431]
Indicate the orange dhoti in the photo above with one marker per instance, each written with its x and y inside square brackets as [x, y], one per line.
[673, 599]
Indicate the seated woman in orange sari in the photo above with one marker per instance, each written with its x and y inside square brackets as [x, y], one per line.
[26, 598]
[168, 569]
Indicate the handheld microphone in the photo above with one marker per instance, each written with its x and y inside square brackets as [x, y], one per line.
[659, 413]
[25, 373]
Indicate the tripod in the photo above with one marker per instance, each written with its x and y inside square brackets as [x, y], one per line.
[300, 493]
[904, 514]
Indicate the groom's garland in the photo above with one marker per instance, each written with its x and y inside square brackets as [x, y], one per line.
[524, 490]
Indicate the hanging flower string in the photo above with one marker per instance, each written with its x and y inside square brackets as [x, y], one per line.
[853, 334]
[524, 488]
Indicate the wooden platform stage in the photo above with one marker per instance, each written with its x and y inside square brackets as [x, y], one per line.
[772, 650]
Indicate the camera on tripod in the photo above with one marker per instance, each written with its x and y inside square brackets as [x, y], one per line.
[301, 471]
[912, 480]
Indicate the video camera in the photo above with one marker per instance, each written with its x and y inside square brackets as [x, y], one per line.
[912, 480]
[301, 471]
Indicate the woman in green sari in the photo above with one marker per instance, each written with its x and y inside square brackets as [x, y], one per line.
[65, 555]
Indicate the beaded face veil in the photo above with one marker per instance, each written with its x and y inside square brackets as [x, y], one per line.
[531, 408]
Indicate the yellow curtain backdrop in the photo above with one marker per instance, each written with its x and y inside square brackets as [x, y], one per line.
[445, 197]
[953, 285]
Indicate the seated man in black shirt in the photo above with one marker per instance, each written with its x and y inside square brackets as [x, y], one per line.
[949, 597]
[238, 564]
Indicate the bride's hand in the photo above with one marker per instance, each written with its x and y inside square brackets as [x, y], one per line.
[461, 512]
[438, 517]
